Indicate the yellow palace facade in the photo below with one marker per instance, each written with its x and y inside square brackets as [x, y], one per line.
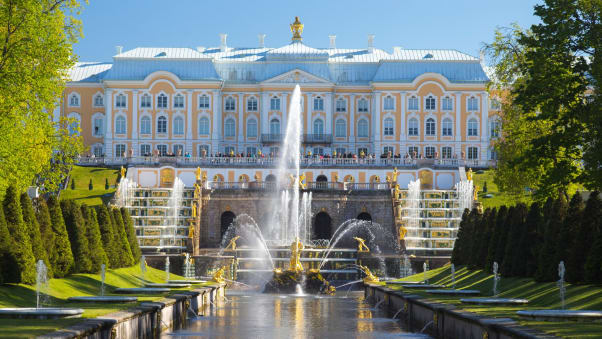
[204, 101]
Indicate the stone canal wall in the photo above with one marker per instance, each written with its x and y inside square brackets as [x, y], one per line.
[148, 319]
[443, 320]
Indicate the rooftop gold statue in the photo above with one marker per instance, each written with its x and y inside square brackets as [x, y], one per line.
[295, 262]
[232, 244]
[475, 193]
[369, 278]
[297, 29]
[361, 245]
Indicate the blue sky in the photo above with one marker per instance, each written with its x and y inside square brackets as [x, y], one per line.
[438, 24]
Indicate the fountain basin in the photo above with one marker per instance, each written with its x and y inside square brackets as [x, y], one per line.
[412, 283]
[562, 315]
[142, 290]
[494, 301]
[103, 299]
[40, 313]
[167, 285]
[422, 286]
[454, 292]
[186, 281]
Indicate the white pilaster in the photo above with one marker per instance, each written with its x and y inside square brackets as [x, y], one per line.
[458, 129]
[351, 121]
[284, 107]
[402, 117]
[216, 135]
[264, 107]
[329, 104]
[241, 118]
[135, 121]
[108, 122]
[376, 123]
[188, 147]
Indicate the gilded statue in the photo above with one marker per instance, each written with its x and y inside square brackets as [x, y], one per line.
[302, 184]
[369, 278]
[197, 174]
[475, 193]
[232, 244]
[469, 174]
[191, 231]
[197, 190]
[361, 245]
[218, 275]
[204, 177]
[295, 261]
[402, 232]
[257, 178]
[395, 174]
[297, 29]
[122, 171]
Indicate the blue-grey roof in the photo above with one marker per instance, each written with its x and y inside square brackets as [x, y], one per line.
[251, 65]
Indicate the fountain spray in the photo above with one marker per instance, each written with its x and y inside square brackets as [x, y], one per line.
[102, 279]
[41, 281]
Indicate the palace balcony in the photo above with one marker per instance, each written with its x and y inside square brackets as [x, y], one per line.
[272, 138]
[317, 138]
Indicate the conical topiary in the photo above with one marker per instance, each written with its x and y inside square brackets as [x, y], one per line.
[76, 229]
[497, 228]
[62, 262]
[122, 239]
[523, 232]
[26, 262]
[108, 239]
[529, 242]
[487, 223]
[547, 266]
[46, 232]
[96, 249]
[464, 231]
[473, 245]
[506, 227]
[131, 233]
[566, 237]
[9, 272]
[30, 220]
[591, 271]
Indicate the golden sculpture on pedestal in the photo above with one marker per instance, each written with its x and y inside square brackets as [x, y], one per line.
[191, 230]
[297, 29]
[232, 244]
[218, 275]
[475, 193]
[197, 174]
[122, 172]
[194, 210]
[402, 232]
[295, 262]
[302, 184]
[395, 174]
[197, 190]
[361, 245]
[257, 178]
[369, 278]
[469, 174]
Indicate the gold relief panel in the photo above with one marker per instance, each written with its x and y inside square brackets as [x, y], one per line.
[426, 179]
[167, 177]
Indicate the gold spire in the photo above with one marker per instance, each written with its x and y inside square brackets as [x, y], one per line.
[297, 29]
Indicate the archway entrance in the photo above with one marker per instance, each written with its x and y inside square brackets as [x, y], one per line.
[226, 220]
[321, 181]
[364, 216]
[322, 226]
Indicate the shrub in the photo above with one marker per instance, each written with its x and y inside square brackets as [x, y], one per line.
[72, 184]
[97, 252]
[566, 236]
[76, 229]
[485, 187]
[90, 185]
[105, 225]
[547, 266]
[131, 234]
[26, 262]
[591, 270]
[8, 262]
[33, 228]
[62, 262]
[121, 239]
[46, 232]
[497, 229]
[462, 240]
[106, 183]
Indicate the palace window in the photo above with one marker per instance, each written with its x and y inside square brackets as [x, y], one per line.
[413, 103]
[145, 125]
[446, 152]
[362, 105]
[274, 126]
[74, 100]
[340, 150]
[340, 128]
[495, 104]
[447, 128]
[98, 126]
[120, 127]
[429, 152]
[430, 103]
[388, 150]
[98, 151]
[447, 104]
[473, 104]
[162, 124]
[318, 127]
[178, 126]
[229, 150]
[120, 150]
[413, 127]
[362, 128]
[98, 102]
[473, 153]
[318, 151]
[275, 104]
[413, 151]
[362, 151]
[204, 101]
[389, 103]
[251, 128]
[204, 126]
[251, 150]
[178, 149]
[74, 125]
[430, 128]
[389, 129]
[341, 105]
[145, 150]
[252, 104]
[162, 101]
[494, 128]
[230, 128]
[230, 104]
[203, 150]
[145, 102]
[318, 104]
[178, 101]
[120, 101]
[473, 127]
[162, 150]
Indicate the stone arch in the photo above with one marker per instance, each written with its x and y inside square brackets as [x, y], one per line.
[348, 178]
[322, 226]
[218, 178]
[364, 216]
[226, 220]
[243, 178]
[270, 178]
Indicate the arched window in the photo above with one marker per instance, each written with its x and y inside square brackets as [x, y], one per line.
[275, 104]
[145, 102]
[145, 125]
[413, 127]
[340, 128]
[120, 125]
[230, 128]
[318, 127]
[473, 104]
[162, 101]
[98, 126]
[318, 104]
[473, 127]
[341, 105]
[178, 126]
[413, 103]
[252, 128]
[447, 127]
[178, 101]
[389, 103]
[362, 128]
[230, 104]
[430, 103]
[162, 124]
[74, 100]
[204, 126]
[430, 128]
[362, 105]
[389, 129]
[447, 104]
[274, 126]
[120, 101]
[203, 101]
[98, 102]
[252, 104]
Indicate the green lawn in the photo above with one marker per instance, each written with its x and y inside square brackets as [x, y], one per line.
[499, 198]
[540, 296]
[74, 285]
[98, 194]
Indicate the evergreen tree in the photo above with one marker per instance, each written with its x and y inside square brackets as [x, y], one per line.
[29, 217]
[131, 233]
[487, 222]
[568, 231]
[529, 243]
[458, 252]
[590, 256]
[8, 262]
[473, 245]
[500, 251]
[523, 232]
[62, 261]
[514, 224]
[97, 252]
[547, 266]
[46, 233]
[76, 229]
[122, 239]
[26, 262]
[108, 239]
[497, 228]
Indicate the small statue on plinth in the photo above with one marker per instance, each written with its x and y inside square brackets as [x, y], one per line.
[361, 245]
[218, 275]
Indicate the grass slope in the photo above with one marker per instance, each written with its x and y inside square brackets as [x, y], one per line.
[74, 285]
[499, 198]
[540, 296]
[98, 194]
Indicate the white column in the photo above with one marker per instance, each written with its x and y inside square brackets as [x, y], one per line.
[402, 117]
[310, 110]
[284, 107]
[329, 106]
[135, 121]
[241, 118]
[108, 122]
[189, 121]
[216, 121]
[264, 109]
[458, 131]
[376, 123]
[351, 121]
